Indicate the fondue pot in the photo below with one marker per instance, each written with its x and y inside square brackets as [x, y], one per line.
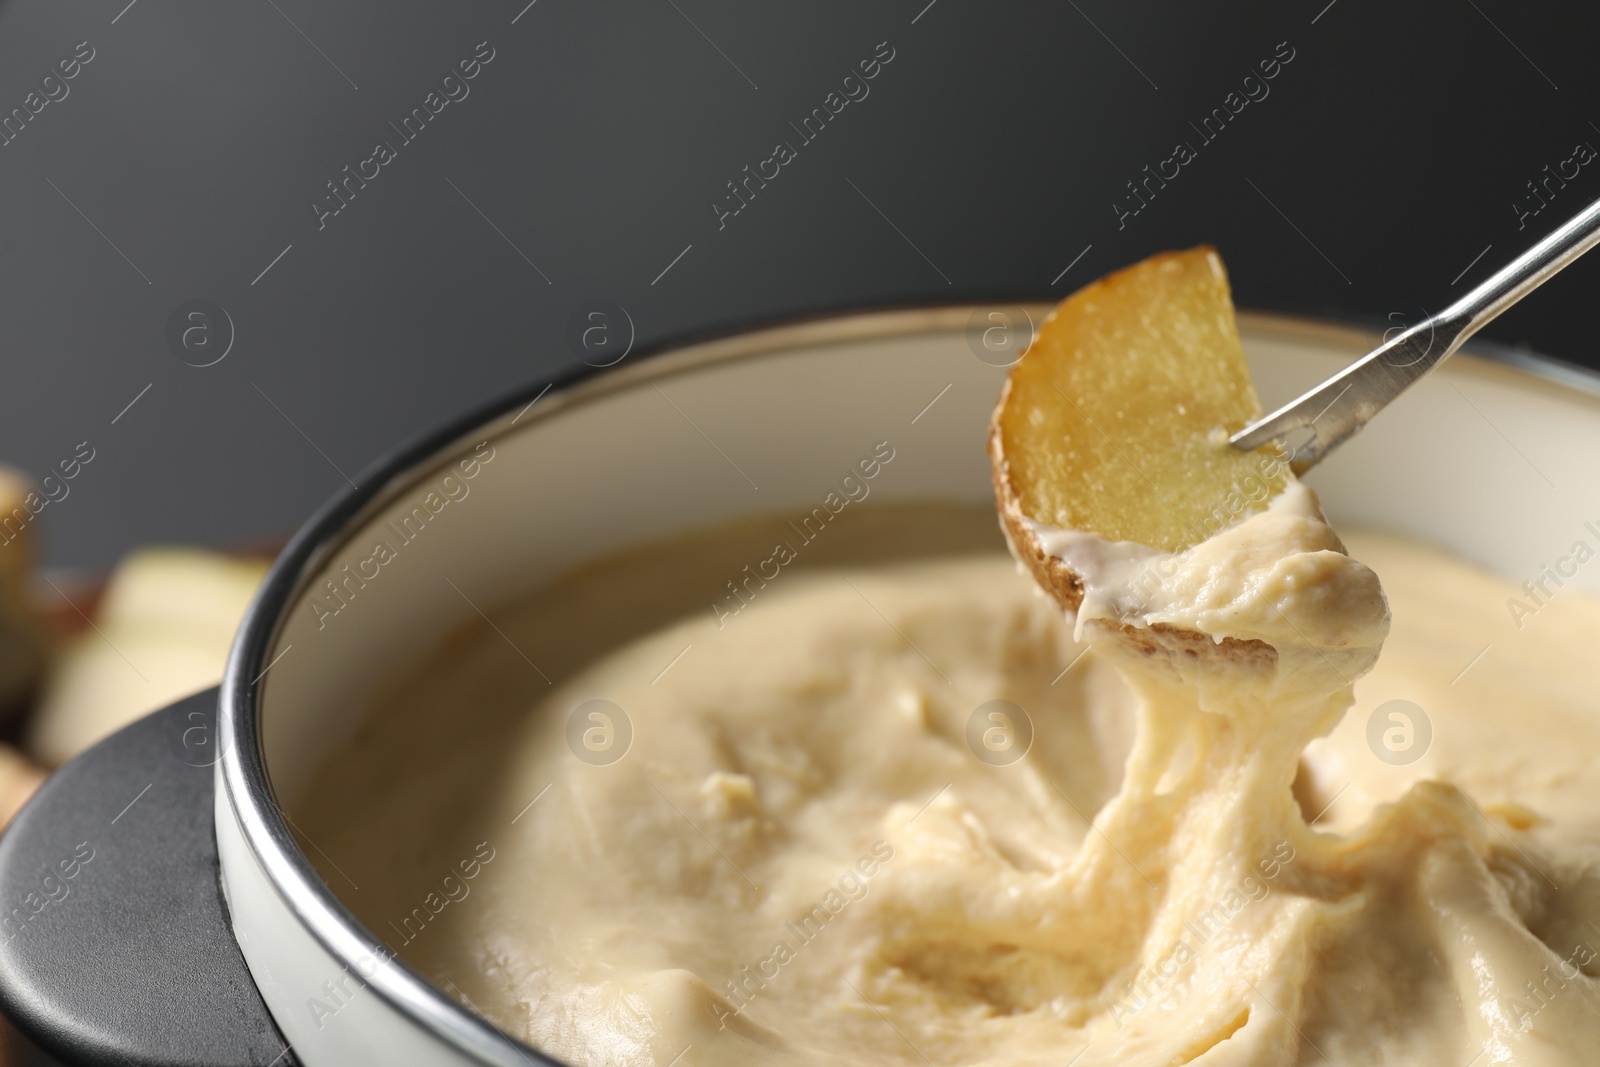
[158, 901]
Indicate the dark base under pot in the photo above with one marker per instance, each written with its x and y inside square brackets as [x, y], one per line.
[115, 945]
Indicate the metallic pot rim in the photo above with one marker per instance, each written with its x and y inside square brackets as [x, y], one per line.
[243, 770]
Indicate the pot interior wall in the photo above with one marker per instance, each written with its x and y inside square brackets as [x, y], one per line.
[1491, 463]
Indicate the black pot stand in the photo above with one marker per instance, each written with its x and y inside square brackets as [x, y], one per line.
[115, 943]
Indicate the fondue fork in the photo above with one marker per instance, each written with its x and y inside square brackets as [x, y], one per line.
[1330, 414]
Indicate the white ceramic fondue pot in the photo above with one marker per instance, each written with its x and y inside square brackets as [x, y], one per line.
[1492, 458]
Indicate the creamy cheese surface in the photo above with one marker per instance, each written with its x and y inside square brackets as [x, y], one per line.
[893, 812]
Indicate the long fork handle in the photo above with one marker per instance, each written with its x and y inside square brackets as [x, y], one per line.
[1336, 409]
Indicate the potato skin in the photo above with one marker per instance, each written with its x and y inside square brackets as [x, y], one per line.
[1065, 586]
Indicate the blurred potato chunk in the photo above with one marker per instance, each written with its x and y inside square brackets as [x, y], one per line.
[162, 632]
[24, 642]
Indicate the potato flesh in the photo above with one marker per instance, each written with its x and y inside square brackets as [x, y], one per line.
[1115, 420]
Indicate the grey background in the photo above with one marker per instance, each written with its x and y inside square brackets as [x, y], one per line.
[589, 152]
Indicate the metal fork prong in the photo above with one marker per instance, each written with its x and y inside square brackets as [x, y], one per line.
[1335, 410]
